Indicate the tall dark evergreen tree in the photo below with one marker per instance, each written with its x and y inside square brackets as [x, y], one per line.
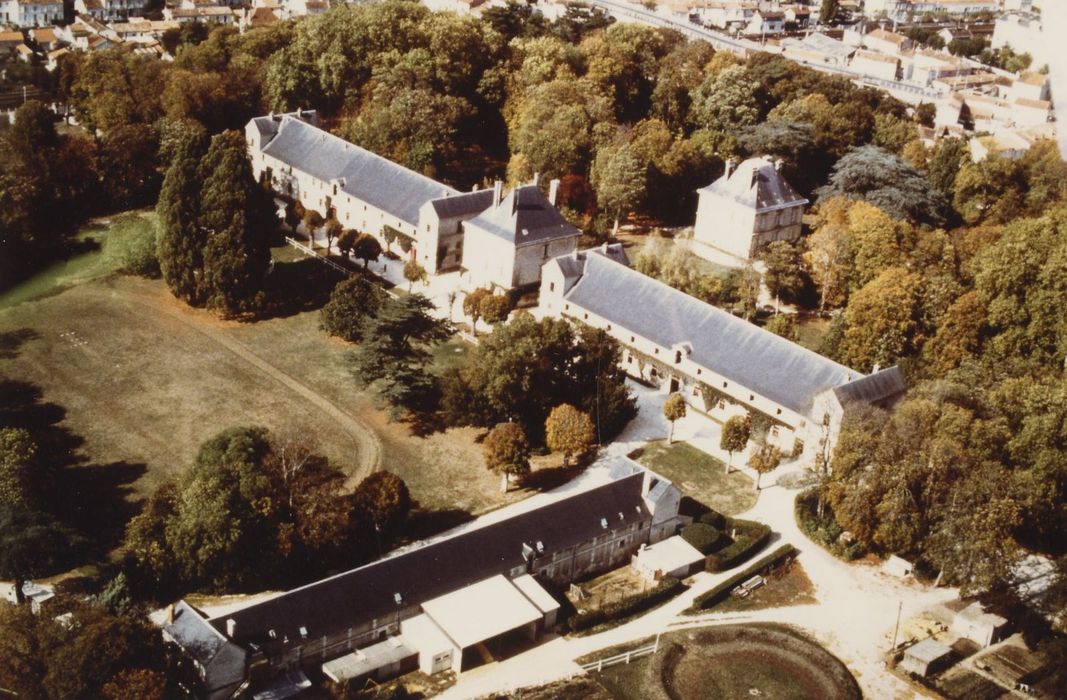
[180, 242]
[236, 218]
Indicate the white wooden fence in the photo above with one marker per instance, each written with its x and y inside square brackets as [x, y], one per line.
[624, 658]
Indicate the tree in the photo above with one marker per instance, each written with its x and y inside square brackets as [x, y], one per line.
[726, 101]
[748, 289]
[735, 434]
[494, 308]
[366, 248]
[312, 221]
[414, 272]
[236, 215]
[886, 181]
[827, 253]
[136, 683]
[785, 270]
[569, 431]
[32, 543]
[333, 230]
[472, 306]
[764, 459]
[990, 191]
[619, 179]
[180, 245]
[224, 513]
[394, 353]
[382, 499]
[673, 409]
[18, 457]
[828, 11]
[353, 303]
[881, 321]
[507, 452]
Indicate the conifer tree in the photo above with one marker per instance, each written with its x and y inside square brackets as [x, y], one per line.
[236, 217]
[180, 242]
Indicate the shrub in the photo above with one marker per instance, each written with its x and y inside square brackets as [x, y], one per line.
[667, 588]
[132, 242]
[702, 536]
[750, 538]
[824, 531]
[714, 518]
[719, 593]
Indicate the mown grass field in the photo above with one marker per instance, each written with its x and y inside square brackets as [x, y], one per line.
[700, 476]
[145, 379]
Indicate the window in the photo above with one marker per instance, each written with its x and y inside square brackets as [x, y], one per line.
[427, 228]
[551, 286]
[774, 431]
[722, 405]
[778, 412]
[751, 397]
[631, 339]
[653, 372]
[585, 316]
[698, 371]
[677, 356]
[655, 351]
[724, 385]
[566, 307]
[622, 543]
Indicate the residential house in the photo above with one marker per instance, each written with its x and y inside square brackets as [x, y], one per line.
[53, 58]
[722, 365]
[140, 30]
[886, 42]
[429, 607]
[1030, 86]
[209, 14]
[1022, 32]
[908, 9]
[9, 42]
[45, 38]
[797, 17]
[925, 66]
[506, 245]
[31, 13]
[950, 34]
[252, 18]
[765, 23]
[748, 207]
[110, 10]
[300, 8]
[876, 65]
[79, 33]
[91, 8]
[818, 48]
[1007, 144]
[729, 15]
[24, 53]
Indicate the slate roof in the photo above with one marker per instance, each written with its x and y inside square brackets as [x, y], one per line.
[463, 204]
[367, 176]
[524, 217]
[572, 265]
[873, 388]
[348, 599]
[756, 183]
[759, 360]
[202, 642]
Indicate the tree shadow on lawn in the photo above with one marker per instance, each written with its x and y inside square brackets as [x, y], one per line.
[551, 477]
[11, 342]
[298, 286]
[91, 498]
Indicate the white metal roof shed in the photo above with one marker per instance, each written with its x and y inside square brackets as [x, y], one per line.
[537, 595]
[481, 611]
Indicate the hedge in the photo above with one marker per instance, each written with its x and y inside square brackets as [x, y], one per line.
[703, 537]
[752, 537]
[667, 588]
[713, 518]
[719, 593]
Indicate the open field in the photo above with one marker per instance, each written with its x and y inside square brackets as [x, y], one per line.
[731, 662]
[700, 476]
[144, 379]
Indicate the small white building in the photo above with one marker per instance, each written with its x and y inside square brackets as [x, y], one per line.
[747, 208]
[926, 658]
[1022, 32]
[895, 566]
[671, 557]
[981, 627]
[886, 42]
[876, 65]
[31, 13]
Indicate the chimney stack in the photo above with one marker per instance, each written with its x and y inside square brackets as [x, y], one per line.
[498, 188]
[537, 178]
[231, 628]
[729, 167]
[778, 164]
[170, 614]
[553, 190]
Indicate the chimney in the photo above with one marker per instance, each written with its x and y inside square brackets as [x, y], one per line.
[475, 188]
[537, 178]
[231, 628]
[498, 187]
[729, 167]
[778, 165]
[755, 176]
[170, 614]
[553, 190]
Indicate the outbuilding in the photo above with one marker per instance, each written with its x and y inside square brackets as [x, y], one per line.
[671, 557]
[926, 658]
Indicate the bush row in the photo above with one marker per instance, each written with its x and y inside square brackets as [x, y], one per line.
[823, 531]
[719, 593]
[702, 537]
[667, 588]
[751, 537]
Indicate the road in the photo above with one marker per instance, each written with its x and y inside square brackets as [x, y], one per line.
[1054, 23]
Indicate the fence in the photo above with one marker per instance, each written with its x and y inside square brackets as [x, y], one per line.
[311, 253]
[624, 658]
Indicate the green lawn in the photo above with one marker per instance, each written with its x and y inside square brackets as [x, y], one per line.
[700, 476]
[811, 330]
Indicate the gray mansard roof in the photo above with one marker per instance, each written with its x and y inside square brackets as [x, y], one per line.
[223, 662]
[463, 204]
[367, 176]
[758, 360]
[756, 183]
[524, 217]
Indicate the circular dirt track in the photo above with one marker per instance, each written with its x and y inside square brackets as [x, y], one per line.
[753, 661]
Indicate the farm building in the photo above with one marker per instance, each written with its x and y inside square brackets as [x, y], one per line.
[721, 364]
[444, 605]
[671, 557]
[926, 658]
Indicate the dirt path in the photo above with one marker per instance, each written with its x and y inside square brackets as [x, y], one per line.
[368, 444]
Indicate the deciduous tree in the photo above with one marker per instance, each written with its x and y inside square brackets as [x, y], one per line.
[414, 272]
[366, 248]
[495, 308]
[383, 500]
[507, 452]
[673, 409]
[569, 431]
[472, 306]
[735, 434]
[764, 459]
[353, 303]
